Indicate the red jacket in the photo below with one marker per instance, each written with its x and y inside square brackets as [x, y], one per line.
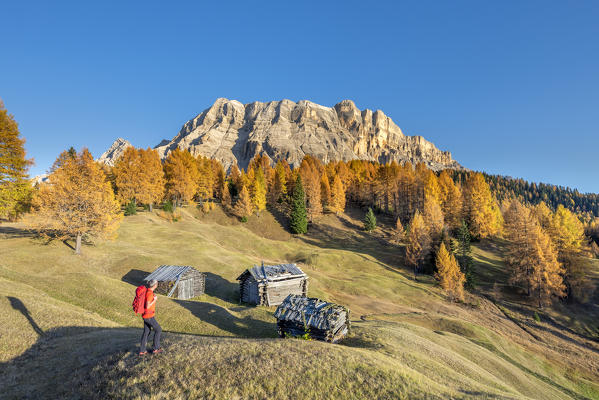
[151, 310]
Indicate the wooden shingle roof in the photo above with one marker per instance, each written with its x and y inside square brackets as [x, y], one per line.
[274, 272]
[168, 273]
[312, 312]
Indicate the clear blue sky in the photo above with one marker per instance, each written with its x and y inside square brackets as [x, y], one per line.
[509, 87]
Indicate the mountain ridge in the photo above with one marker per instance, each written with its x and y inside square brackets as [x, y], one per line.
[233, 132]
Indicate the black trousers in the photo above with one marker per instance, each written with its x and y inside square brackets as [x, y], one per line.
[149, 324]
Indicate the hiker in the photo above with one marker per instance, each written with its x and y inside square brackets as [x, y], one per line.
[149, 320]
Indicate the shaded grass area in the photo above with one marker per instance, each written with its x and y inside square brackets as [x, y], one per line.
[572, 318]
[253, 369]
[412, 342]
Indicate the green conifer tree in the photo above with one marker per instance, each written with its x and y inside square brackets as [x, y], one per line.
[131, 208]
[299, 216]
[369, 220]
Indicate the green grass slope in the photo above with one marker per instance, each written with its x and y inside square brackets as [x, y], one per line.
[68, 318]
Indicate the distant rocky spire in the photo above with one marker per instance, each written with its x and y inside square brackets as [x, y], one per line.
[110, 156]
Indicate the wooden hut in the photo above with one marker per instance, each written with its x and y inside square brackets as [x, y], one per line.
[298, 315]
[269, 285]
[181, 282]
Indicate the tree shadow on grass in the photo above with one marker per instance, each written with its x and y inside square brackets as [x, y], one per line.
[10, 232]
[356, 240]
[223, 319]
[549, 325]
[135, 277]
[221, 288]
[279, 213]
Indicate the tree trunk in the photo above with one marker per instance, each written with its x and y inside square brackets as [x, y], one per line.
[78, 244]
[539, 289]
[151, 207]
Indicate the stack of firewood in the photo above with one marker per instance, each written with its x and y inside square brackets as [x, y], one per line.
[312, 318]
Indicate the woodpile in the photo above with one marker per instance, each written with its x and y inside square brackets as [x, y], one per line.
[269, 285]
[300, 316]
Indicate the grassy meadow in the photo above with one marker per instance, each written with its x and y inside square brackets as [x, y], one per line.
[69, 319]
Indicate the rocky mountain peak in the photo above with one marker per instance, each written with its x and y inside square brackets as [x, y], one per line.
[118, 147]
[232, 132]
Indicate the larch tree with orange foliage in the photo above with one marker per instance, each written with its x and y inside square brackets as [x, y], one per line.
[181, 171]
[547, 273]
[220, 179]
[340, 168]
[419, 243]
[139, 177]
[449, 275]
[243, 206]
[291, 182]
[15, 188]
[325, 191]
[429, 182]
[568, 237]
[152, 183]
[77, 202]
[258, 192]
[236, 181]
[311, 182]
[519, 228]
[205, 178]
[531, 257]
[451, 200]
[386, 183]
[545, 217]
[247, 178]
[337, 196]
[225, 198]
[435, 222]
[567, 233]
[128, 173]
[434, 218]
[279, 186]
[480, 207]
[405, 202]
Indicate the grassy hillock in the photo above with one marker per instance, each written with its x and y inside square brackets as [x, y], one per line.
[68, 319]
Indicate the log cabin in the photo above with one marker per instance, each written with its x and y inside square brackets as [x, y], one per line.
[269, 285]
[312, 318]
[180, 282]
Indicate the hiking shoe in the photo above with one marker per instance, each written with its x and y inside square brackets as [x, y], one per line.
[141, 353]
[156, 351]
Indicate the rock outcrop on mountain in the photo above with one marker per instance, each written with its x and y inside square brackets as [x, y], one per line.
[118, 147]
[232, 132]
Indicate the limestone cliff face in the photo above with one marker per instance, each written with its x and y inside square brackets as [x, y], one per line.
[232, 132]
[118, 147]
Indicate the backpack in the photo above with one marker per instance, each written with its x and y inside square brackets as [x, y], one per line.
[139, 302]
